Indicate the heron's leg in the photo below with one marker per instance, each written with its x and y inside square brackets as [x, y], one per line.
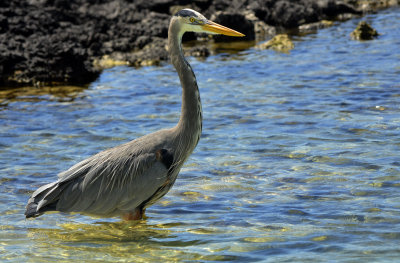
[136, 215]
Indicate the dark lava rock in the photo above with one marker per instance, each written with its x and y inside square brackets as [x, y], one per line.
[291, 14]
[57, 41]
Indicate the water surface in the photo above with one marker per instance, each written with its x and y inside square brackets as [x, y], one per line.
[298, 161]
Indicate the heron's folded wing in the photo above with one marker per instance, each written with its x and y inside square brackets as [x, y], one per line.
[107, 184]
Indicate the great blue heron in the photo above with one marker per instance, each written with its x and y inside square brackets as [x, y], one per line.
[126, 179]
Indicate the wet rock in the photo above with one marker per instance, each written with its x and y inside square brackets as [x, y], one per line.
[364, 31]
[306, 28]
[280, 43]
[108, 62]
[198, 51]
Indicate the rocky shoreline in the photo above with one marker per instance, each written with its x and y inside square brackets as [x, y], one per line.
[52, 42]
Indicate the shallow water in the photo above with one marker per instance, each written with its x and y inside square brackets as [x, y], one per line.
[298, 161]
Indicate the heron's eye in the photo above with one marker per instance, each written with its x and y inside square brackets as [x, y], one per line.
[191, 19]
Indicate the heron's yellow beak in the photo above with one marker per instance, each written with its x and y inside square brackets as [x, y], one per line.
[213, 27]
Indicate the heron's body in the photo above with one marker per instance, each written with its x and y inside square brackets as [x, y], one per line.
[126, 179]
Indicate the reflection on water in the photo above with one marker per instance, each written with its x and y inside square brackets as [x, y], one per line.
[99, 232]
[35, 94]
[110, 240]
[298, 161]
[134, 240]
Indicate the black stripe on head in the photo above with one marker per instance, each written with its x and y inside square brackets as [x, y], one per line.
[185, 13]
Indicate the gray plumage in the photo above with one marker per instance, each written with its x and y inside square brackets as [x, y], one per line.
[126, 179]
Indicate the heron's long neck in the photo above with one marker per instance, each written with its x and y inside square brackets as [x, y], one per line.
[190, 122]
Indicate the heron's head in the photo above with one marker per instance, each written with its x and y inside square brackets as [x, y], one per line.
[192, 21]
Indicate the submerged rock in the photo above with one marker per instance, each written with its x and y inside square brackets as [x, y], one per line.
[373, 5]
[364, 31]
[281, 43]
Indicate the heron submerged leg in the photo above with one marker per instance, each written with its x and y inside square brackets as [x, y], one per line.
[136, 215]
